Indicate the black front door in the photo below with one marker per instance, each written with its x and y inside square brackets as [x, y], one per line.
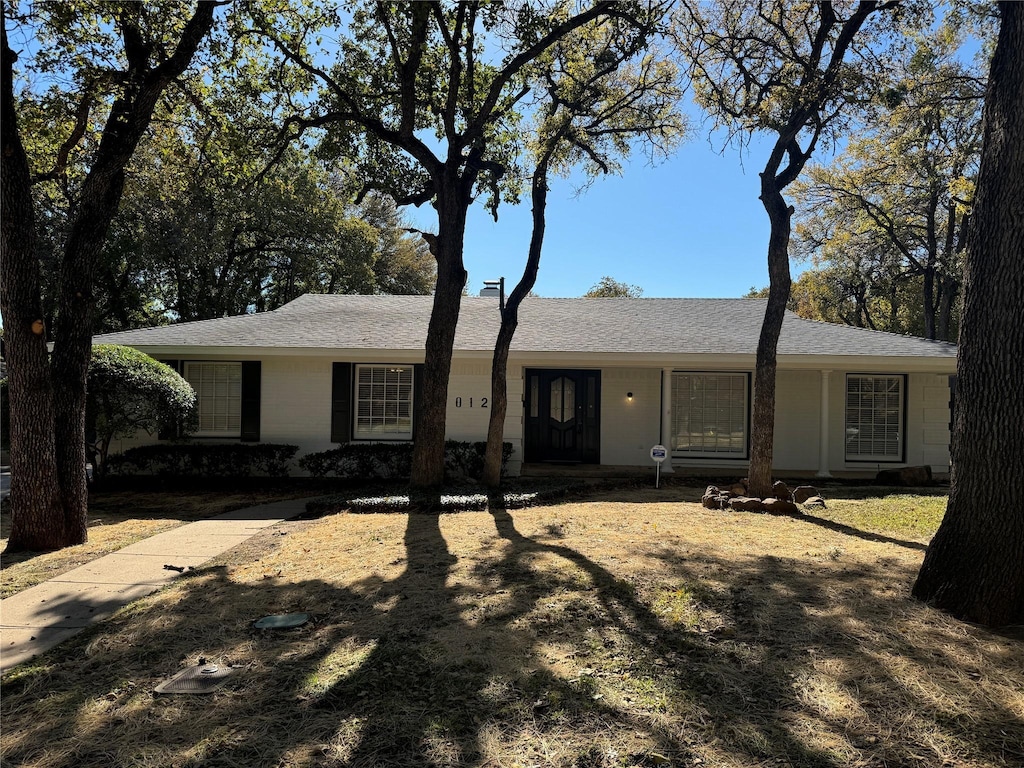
[563, 415]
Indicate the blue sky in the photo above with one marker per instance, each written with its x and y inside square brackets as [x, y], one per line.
[691, 226]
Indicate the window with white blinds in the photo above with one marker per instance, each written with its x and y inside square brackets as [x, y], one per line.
[218, 389]
[874, 417]
[383, 402]
[709, 414]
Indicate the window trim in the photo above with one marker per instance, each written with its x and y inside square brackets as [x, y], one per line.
[216, 434]
[747, 406]
[902, 433]
[354, 400]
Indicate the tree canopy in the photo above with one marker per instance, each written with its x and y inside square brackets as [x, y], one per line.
[610, 288]
[886, 218]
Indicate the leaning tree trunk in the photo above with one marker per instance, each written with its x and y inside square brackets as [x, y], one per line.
[762, 432]
[509, 323]
[974, 567]
[428, 449]
[38, 522]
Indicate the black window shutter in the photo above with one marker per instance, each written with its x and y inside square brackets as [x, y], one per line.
[169, 430]
[251, 401]
[341, 403]
[417, 397]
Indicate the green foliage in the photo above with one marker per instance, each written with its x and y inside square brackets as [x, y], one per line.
[129, 391]
[466, 459]
[609, 288]
[214, 220]
[360, 460]
[204, 460]
[132, 391]
[883, 223]
[364, 461]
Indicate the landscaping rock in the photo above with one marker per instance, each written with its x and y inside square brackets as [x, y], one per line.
[815, 501]
[781, 507]
[710, 498]
[746, 504]
[905, 476]
[803, 492]
[781, 491]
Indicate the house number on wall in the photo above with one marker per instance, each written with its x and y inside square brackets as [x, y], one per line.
[481, 402]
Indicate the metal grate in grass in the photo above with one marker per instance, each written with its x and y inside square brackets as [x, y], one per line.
[281, 621]
[202, 678]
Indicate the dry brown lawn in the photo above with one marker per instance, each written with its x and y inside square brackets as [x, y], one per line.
[626, 629]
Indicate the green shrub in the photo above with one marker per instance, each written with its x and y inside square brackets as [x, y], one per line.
[361, 460]
[129, 391]
[465, 459]
[365, 461]
[204, 460]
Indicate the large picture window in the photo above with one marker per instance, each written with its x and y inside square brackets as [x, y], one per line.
[874, 417]
[383, 402]
[218, 389]
[709, 415]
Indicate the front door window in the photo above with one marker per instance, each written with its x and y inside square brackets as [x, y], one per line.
[563, 399]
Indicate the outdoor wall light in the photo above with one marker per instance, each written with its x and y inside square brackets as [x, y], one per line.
[629, 396]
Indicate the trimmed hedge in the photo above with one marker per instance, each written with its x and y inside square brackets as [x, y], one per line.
[365, 461]
[199, 460]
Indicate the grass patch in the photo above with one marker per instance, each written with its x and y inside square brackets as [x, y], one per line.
[916, 515]
[621, 628]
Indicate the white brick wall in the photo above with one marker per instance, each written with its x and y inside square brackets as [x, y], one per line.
[797, 416]
[296, 408]
[629, 429]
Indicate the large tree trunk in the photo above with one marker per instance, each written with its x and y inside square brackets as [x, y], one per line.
[974, 567]
[428, 451]
[38, 522]
[60, 407]
[509, 323]
[762, 435]
[101, 196]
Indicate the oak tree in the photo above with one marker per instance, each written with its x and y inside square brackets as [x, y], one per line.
[786, 70]
[120, 58]
[974, 566]
[423, 100]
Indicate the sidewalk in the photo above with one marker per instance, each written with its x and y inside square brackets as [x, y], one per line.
[42, 616]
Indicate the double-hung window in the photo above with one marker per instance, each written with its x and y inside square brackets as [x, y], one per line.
[383, 402]
[218, 388]
[709, 415]
[874, 417]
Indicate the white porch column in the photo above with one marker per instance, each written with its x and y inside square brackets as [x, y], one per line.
[666, 419]
[823, 429]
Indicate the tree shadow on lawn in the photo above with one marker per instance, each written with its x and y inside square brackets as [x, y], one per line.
[544, 656]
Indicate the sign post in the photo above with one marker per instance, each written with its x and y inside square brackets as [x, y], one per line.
[659, 454]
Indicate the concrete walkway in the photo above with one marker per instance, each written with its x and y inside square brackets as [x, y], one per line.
[39, 618]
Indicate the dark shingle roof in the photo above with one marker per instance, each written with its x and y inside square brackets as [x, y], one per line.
[644, 326]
